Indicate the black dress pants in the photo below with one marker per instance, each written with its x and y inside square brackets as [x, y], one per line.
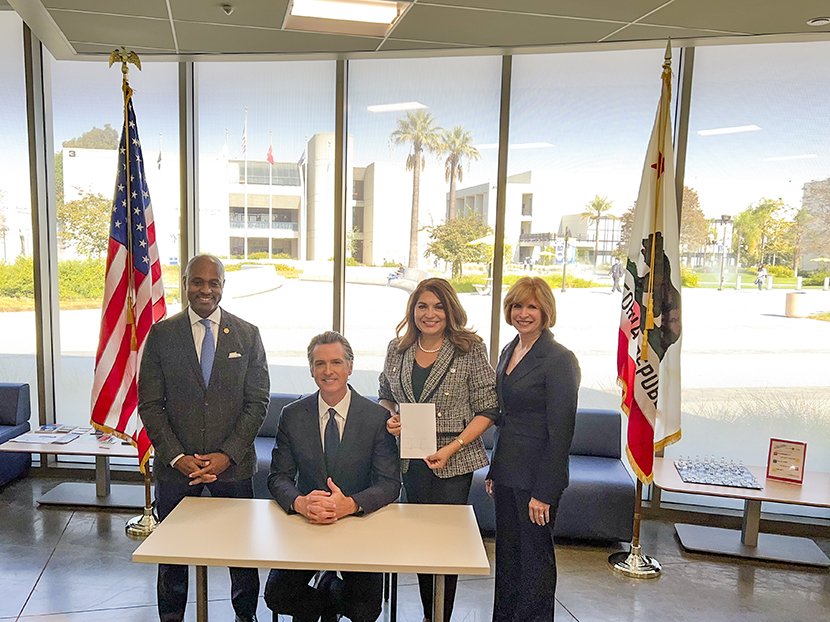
[424, 486]
[525, 561]
[172, 579]
[358, 596]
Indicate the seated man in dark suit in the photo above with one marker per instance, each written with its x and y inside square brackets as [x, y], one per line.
[332, 458]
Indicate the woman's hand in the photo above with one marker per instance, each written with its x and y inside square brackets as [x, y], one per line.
[539, 512]
[490, 487]
[439, 459]
[393, 425]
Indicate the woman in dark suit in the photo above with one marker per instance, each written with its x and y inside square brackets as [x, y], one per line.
[436, 359]
[537, 383]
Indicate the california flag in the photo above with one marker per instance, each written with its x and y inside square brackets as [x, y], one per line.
[648, 356]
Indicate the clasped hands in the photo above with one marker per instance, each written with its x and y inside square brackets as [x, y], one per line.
[203, 468]
[437, 460]
[321, 507]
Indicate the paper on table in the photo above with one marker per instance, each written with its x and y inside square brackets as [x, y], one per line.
[34, 437]
[417, 430]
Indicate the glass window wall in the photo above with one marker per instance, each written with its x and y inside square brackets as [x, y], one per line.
[88, 115]
[18, 344]
[444, 111]
[266, 201]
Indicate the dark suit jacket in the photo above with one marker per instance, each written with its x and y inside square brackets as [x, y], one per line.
[182, 416]
[366, 466]
[538, 415]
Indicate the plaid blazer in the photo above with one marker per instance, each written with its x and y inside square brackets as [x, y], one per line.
[460, 384]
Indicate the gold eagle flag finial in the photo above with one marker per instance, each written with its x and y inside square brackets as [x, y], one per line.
[125, 56]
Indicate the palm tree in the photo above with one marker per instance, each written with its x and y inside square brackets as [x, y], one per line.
[593, 212]
[458, 144]
[418, 128]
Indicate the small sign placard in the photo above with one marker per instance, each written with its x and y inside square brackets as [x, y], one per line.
[786, 460]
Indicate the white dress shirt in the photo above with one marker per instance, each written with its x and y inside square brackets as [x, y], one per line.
[342, 409]
[199, 329]
[199, 336]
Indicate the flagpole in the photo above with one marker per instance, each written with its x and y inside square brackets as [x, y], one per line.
[128, 57]
[634, 563]
[245, 155]
[138, 527]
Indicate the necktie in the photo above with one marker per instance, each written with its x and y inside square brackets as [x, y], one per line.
[332, 438]
[208, 352]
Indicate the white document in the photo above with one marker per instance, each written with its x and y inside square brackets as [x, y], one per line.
[418, 439]
[34, 437]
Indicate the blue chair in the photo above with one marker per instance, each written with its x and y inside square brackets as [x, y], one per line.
[15, 411]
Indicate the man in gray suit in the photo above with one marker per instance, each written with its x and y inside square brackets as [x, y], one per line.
[332, 458]
[203, 392]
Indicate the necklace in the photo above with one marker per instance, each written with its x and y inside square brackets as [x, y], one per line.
[423, 349]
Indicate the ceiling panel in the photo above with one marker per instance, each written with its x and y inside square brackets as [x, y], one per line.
[195, 38]
[147, 8]
[433, 23]
[106, 49]
[115, 30]
[751, 16]
[635, 32]
[403, 44]
[597, 9]
[265, 13]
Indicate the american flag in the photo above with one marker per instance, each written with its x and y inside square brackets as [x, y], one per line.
[133, 297]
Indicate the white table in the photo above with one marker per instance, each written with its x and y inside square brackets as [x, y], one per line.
[257, 533]
[815, 491]
[103, 493]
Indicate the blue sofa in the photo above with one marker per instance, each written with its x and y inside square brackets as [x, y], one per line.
[597, 505]
[15, 410]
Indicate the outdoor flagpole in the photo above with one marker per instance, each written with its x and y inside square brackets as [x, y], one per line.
[245, 155]
[634, 563]
[138, 527]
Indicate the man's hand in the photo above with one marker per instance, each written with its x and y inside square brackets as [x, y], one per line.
[323, 508]
[343, 505]
[214, 464]
[189, 465]
[317, 507]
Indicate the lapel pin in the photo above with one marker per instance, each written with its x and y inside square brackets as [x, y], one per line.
[227, 330]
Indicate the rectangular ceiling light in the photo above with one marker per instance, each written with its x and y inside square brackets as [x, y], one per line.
[396, 107]
[806, 156]
[364, 18]
[729, 130]
[369, 11]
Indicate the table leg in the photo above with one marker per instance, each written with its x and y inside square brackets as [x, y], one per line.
[102, 476]
[438, 599]
[393, 616]
[201, 594]
[751, 523]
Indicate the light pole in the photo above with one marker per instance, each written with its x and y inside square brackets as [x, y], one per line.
[724, 221]
[565, 257]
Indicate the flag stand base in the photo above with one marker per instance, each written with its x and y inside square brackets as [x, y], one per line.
[139, 527]
[634, 564]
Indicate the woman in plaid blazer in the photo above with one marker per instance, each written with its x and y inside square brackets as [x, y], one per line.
[436, 359]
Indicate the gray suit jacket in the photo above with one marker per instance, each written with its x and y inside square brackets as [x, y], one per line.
[182, 416]
[460, 384]
[366, 466]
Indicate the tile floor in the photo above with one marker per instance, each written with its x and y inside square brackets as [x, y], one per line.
[60, 565]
